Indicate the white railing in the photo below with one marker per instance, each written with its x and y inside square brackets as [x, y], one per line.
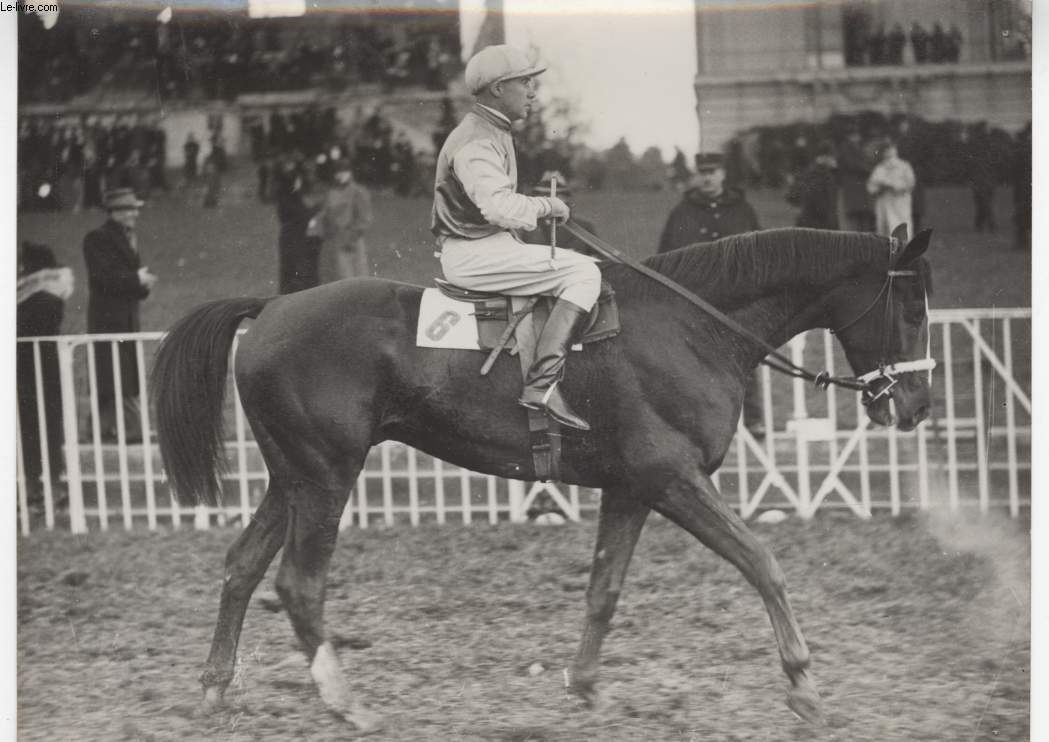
[820, 453]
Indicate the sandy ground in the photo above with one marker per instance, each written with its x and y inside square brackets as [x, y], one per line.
[918, 627]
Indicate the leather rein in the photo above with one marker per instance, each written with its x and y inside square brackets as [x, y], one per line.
[864, 383]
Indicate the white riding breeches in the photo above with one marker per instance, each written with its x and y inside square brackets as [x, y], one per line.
[501, 264]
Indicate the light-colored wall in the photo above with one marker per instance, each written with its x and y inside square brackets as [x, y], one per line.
[997, 93]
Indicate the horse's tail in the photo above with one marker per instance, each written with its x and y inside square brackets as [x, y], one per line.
[187, 385]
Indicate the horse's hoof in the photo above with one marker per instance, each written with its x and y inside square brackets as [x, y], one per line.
[214, 699]
[364, 721]
[584, 692]
[807, 706]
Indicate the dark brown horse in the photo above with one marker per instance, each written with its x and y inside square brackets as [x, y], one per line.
[326, 374]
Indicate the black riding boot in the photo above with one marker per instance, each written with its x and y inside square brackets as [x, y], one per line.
[540, 389]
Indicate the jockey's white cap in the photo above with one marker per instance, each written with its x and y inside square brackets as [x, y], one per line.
[498, 63]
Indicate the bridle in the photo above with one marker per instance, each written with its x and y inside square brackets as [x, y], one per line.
[888, 372]
[865, 383]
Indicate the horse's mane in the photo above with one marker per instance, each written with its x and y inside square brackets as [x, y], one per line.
[760, 259]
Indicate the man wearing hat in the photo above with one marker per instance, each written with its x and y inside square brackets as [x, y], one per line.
[709, 211]
[117, 282]
[341, 223]
[476, 208]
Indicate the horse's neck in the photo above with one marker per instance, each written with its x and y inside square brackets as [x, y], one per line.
[776, 318]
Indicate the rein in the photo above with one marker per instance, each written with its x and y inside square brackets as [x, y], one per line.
[776, 360]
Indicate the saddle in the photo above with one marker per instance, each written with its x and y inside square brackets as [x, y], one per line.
[500, 326]
[498, 315]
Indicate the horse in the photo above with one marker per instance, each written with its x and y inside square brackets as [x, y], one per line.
[325, 374]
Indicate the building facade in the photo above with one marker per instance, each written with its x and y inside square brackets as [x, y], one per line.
[778, 62]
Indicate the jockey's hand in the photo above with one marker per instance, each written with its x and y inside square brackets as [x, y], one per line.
[558, 208]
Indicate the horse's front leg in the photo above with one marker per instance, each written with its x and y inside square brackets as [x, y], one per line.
[619, 524]
[246, 563]
[690, 499]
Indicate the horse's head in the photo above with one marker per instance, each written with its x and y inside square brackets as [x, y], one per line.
[882, 323]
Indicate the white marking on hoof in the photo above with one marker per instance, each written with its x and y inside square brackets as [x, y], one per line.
[335, 692]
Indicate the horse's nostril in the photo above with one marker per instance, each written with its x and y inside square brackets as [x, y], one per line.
[921, 413]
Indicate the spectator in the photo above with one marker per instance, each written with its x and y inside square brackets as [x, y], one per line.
[42, 289]
[212, 180]
[1020, 174]
[853, 169]
[954, 44]
[293, 213]
[679, 172]
[877, 46]
[816, 191]
[405, 171]
[938, 42]
[909, 148]
[190, 152]
[891, 184]
[894, 44]
[709, 211]
[919, 43]
[982, 177]
[343, 219]
[117, 282]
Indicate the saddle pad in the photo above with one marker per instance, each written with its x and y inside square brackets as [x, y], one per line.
[446, 323]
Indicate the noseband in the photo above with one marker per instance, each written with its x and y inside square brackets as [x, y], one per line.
[888, 372]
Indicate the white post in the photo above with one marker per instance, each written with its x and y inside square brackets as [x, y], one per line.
[147, 446]
[464, 495]
[413, 487]
[493, 501]
[387, 483]
[981, 424]
[951, 422]
[438, 490]
[77, 521]
[517, 495]
[1010, 421]
[96, 441]
[118, 408]
[797, 356]
[41, 416]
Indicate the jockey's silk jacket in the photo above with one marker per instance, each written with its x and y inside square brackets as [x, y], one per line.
[475, 189]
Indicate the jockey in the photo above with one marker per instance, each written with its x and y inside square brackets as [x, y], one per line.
[476, 207]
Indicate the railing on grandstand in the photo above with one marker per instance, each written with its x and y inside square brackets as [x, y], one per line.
[819, 453]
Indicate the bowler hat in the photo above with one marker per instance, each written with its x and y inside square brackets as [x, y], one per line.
[709, 160]
[121, 198]
[498, 63]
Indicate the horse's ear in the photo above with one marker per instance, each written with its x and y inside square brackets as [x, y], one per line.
[914, 248]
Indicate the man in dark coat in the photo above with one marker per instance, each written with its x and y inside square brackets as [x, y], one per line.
[710, 211]
[117, 282]
[42, 289]
[816, 191]
[295, 249]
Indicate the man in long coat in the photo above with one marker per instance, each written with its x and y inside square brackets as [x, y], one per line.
[117, 283]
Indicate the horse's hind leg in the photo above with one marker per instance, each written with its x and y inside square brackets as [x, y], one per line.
[246, 563]
[693, 503]
[619, 524]
[313, 527]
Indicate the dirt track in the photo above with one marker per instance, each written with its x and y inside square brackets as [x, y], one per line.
[914, 637]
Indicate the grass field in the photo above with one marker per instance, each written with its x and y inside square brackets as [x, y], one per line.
[203, 254]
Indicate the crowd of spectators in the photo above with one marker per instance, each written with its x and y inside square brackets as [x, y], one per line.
[876, 46]
[70, 165]
[311, 141]
[213, 59]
